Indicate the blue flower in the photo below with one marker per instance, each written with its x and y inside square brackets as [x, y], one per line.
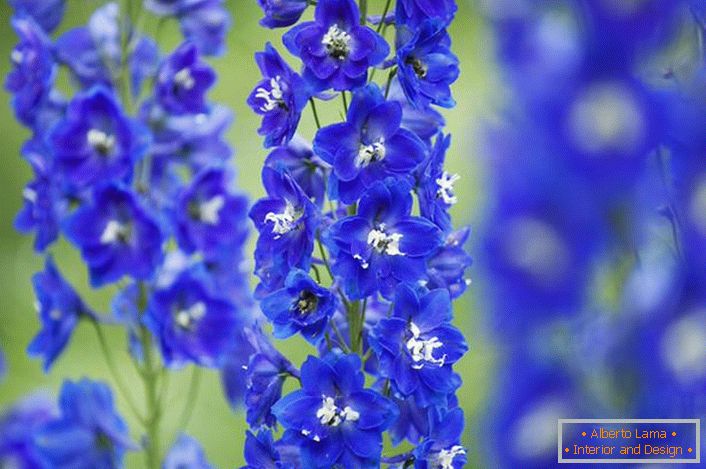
[60, 309]
[308, 171]
[281, 13]
[286, 221]
[413, 422]
[183, 80]
[46, 13]
[442, 448]
[186, 453]
[208, 216]
[18, 425]
[383, 244]
[89, 432]
[334, 419]
[424, 122]
[116, 236]
[436, 186]
[96, 141]
[261, 453]
[280, 97]
[447, 265]
[92, 53]
[125, 307]
[417, 346]
[31, 78]
[414, 12]
[301, 306]
[369, 146]
[45, 200]
[191, 324]
[336, 50]
[425, 64]
[205, 23]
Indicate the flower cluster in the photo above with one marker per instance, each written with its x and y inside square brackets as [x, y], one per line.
[131, 168]
[595, 242]
[356, 250]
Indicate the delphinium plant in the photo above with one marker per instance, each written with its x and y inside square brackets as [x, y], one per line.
[131, 169]
[356, 250]
[594, 243]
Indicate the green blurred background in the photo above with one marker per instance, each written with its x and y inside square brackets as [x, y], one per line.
[221, 430]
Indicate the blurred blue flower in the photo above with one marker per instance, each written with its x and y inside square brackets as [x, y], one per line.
[301, 306]
[334, 419]
[279, 97]
[286, 221]
[116, 236]
[89, 433]
[426, 67]
[442, 448]
[186, 453]
[33, 72]
[60, 309]
[308, 170]
[18, 426]
[369, 146]
[208, 216]
[336, 50]
[383, 244]
[46, 13]
[417, 346]
[190, 324]
[261, 453]
[281, 13]
[96, 142]
[183, 80]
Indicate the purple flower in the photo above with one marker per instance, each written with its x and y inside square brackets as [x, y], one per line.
[31, 78]
[383, 244]
[60, 309]
[286, 221]
[301, 306]
[96, 141]
[281, 13]
[417, 346]
[186, 453]
[332, 417]
[208, 216]
[369, 146]
[298, 160]
[191, 324]
[426, 66]
[336, 50]
[183, 80]
[46, 13]
[116, 236]
[18, 426]
[280, 98]
[89, 432]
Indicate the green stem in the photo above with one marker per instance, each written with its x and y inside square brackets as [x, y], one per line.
[390, 76]
[363, 11]
[345, 102]
[190, 401]
[384, 14]
[316, 114]
[339, 336]
[152, 450]
[117, 377]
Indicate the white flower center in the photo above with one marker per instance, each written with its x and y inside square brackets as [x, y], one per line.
[184, 79]
[445, 458]
[446, 188]
[186, 318]
[17, 57]
[55, 314]
[422, 351]
[385, 243]
[114, 231]
[363, 263]
[209, 210]
[371, 153]
[337, 42]
[100, 141]
[329, 414]
[273, 97]
[283, 222]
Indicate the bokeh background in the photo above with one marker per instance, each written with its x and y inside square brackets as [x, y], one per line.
[479, 94]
